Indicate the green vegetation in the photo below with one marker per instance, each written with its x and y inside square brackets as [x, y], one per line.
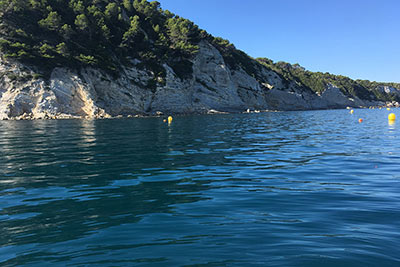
[105, 34]
[317, 81]
[233, 57]
[109, 34]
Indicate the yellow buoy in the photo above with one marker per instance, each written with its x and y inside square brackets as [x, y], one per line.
[351, 111]
[388, 108]
[392, 117]
[169, 119]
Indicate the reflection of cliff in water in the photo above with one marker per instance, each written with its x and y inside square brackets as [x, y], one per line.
[90, 210]
[78, 176]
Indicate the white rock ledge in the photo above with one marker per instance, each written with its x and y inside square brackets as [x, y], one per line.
[213, 88]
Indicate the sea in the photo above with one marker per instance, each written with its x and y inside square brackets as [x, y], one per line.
[301, 188]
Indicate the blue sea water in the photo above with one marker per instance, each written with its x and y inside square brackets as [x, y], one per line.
[313, 188]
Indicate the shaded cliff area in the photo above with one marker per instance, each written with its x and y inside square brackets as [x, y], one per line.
[103, 58]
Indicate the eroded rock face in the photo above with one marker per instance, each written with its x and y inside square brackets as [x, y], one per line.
[214, 87]
[389, 90]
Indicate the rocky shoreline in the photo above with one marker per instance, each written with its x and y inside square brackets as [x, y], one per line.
[157, 114]
[107, 116]
[213, 88]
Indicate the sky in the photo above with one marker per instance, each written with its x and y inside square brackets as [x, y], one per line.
[355, 38]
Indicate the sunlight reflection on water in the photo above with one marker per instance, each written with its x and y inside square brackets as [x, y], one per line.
[286, 188]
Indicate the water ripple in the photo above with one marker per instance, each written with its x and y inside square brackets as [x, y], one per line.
[274, 189]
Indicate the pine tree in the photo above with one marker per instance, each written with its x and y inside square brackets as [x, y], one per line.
[82, 22]
[52, 22]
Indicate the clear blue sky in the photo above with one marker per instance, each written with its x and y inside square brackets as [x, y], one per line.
[355, 38]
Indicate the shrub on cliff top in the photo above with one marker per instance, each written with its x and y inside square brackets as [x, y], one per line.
[98, 33]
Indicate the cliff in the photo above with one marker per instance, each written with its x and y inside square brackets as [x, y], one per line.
[182, 70]
[212, 87]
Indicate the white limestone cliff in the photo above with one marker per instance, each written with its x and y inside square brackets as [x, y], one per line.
[213, 87]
